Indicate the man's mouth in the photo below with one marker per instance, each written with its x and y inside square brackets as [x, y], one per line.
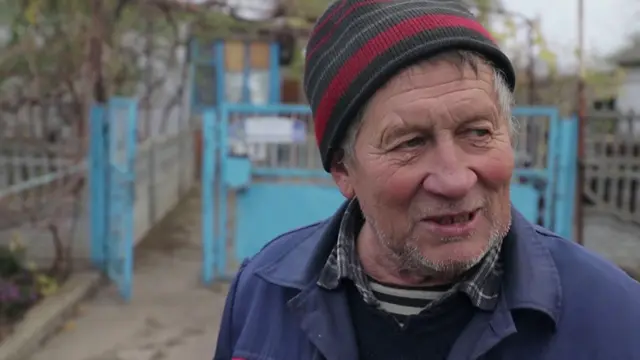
[453, 219]
[453, 224]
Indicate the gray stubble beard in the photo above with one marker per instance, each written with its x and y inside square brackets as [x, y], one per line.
[409, 259]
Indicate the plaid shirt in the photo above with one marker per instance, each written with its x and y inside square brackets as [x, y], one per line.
[482, 286]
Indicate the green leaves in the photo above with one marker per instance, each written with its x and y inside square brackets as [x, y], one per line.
[47, 52]
[32, 11]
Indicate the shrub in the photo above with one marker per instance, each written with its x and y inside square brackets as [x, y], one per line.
[16, 298]
[21, 286]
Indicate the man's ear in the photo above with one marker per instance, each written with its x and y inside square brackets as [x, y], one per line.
[342, 175]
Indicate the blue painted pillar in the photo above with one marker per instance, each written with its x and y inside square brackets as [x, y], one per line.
[129, 219]
[246, 74]
[222, 140]
[274, 73]
[98, 162]
[219, 63]
[565, 186]
[208, 181]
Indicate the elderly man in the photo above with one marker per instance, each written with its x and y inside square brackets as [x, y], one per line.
[427, 259]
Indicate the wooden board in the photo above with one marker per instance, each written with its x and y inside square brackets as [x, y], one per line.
[259, 55]
[234, 52]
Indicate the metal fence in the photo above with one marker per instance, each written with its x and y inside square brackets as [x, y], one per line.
[44, 200]
[261, 162]
[165, 170]
[246, 127]
[612, 164]
[42, 192]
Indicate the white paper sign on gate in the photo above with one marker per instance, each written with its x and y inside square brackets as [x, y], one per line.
[274, 130]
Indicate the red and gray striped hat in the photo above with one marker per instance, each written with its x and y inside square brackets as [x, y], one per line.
[358, 45]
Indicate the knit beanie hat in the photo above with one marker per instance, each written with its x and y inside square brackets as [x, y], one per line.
[356, 46]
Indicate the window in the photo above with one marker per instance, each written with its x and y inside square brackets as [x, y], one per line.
[258, 87]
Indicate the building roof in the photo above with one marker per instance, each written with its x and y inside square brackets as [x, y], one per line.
[629, 57]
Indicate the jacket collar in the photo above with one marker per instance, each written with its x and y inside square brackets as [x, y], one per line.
[531, 277]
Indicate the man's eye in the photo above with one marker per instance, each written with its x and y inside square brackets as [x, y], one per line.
[414, 142]
[479, 132]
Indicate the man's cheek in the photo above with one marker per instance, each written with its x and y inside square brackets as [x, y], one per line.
[495, 171]
[397, 189]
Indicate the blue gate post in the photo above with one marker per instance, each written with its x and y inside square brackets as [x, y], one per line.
[121, 140]
[274, 73]
[129, 223]
[551, 168]
[572, 173]
[223, 150]
[98, 162]
[208, 180]
[565, 186]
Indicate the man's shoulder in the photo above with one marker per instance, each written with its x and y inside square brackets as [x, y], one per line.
[589, 279]
[277, 249]
[283, 244]
[575, 260]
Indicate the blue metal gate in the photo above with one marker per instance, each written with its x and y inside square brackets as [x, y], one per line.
[112, 164]
[543, 183]
[257, 188]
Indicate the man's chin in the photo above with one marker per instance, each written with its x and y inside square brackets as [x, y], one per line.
[455, 255]
[456, 246]
[441, 271]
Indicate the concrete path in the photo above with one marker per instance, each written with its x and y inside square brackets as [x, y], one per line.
[171, 316]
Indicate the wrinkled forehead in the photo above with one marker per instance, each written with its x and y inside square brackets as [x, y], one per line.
[439, 72]
[427, 85]
[433, 95]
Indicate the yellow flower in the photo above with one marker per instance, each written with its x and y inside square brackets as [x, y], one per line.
[16, 244]
[47, 285]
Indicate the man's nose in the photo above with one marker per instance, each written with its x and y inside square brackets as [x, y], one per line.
[449, 174]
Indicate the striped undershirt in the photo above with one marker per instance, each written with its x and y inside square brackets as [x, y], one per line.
[403, 302]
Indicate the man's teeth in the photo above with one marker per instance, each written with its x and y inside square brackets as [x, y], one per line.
[448, 220]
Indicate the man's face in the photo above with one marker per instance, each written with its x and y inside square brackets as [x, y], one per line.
[431, 168]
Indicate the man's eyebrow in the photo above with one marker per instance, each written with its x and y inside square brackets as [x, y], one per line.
[397, 130]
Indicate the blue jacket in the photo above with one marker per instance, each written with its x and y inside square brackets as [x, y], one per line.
[559, 302]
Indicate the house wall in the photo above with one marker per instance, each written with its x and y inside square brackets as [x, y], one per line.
[629, 100]
[629, 92]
